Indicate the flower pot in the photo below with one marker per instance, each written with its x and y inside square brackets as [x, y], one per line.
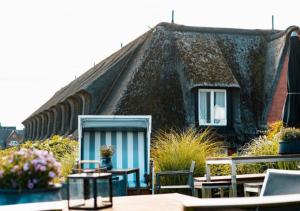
[106, 162]
[289, 147]
[13, 196]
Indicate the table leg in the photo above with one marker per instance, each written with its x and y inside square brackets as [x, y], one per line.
[137, 177]
[68, 192]
[86, 189]
[208, 178]
[95, 193]
[207, 167]
[110, 191]
[233, 179]
[126, 183]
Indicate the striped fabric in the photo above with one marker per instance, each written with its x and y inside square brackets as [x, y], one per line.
[130, 149]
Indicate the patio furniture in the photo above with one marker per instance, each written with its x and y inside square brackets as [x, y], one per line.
[241, 179]
[92, 198]
[188, 173]
[233, 161]
[253, 187]
[281, 182]
[129, 136]
[221, 185]
[80, 166]
[125, 173]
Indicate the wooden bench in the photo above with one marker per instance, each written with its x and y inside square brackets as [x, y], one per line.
[226, 181]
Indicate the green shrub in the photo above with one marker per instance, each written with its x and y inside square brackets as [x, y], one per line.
[175, 150]
[64, 150]
[289, 134]
[263, 146]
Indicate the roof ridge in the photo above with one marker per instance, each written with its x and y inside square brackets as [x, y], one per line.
[178, 27]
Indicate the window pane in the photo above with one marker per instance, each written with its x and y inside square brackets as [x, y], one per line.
[204, 111]
[219, 107]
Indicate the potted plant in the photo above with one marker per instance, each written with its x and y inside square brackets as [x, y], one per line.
[289, 141]
[106, 153]
[28, 175]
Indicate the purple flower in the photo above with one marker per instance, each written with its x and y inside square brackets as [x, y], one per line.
[35, 181]
[30, 185]
[42, 168]
[52, 174]
[1, 173]
[14, 169]
[26, 167]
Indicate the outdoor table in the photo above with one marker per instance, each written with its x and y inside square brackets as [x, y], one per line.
[89, 204]
[125, 173]
[233, 161]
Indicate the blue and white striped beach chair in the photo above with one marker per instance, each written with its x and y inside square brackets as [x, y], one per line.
[129, 136]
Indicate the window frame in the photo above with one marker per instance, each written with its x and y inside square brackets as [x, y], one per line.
[212, 91]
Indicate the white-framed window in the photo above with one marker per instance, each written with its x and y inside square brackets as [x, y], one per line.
[212, 107]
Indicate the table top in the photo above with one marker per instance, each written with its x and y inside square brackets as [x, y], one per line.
[89, 175]
[228, 177]
[261, 157]
[129, 170]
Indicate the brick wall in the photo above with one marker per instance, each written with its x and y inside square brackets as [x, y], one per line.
[279, 96]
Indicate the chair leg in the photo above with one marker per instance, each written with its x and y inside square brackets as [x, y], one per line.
[203, 193]
[221, 192]
[196, 192]
[230, 192]
[193, 191]
[157, 190]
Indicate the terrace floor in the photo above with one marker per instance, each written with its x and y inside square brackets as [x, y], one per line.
[157, 202]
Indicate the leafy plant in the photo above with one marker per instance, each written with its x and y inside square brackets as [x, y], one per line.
[106, 151]
[273, 129]
[175, 150]
[28, 169]
[287, 134]
[63, 149]
[263, 146]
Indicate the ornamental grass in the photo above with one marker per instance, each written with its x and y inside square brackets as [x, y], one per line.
[175, 150]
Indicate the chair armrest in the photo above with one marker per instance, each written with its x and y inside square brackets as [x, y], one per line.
[172, 173]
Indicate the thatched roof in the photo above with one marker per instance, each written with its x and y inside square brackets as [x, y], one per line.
[155, 73]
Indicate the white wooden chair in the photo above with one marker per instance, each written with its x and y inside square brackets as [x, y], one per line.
[281, 182]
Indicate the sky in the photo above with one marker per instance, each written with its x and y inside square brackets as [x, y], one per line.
[45, 44]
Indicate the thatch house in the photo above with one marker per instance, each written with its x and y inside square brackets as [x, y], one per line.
[230, 79]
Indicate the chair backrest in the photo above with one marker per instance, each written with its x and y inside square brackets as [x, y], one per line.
[191, 178]
[81, 163]
[281, 182]
[129, 136]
